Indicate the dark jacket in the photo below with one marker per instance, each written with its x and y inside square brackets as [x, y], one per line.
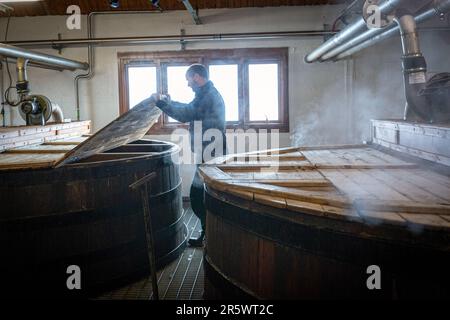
[207, 107]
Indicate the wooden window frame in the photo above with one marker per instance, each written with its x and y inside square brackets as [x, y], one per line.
[241, 57]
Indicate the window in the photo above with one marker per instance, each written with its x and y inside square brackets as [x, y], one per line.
[141, 83]
[225, 79]
[176, 85]
[252, 82]
[263, 92]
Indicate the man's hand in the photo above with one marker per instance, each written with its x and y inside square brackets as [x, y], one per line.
[159, 96]
[156, 96]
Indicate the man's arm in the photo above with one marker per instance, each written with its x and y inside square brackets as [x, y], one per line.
[182, 112]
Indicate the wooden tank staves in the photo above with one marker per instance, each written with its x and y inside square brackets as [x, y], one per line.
[308, 223]
[82, 212]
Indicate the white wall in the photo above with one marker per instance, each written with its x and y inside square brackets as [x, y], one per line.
[329, 103]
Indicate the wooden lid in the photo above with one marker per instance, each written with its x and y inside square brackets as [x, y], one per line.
[354, 183]
[128, 127]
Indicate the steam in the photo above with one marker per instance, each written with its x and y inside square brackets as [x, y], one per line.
[341, 112]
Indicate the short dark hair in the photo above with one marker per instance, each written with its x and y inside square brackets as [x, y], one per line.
[199, 69]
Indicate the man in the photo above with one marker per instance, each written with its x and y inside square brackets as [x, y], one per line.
[209, 109]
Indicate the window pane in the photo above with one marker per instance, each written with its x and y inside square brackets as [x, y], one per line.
[177, 85]
[263, 92]
[141, 84]
[225, 79]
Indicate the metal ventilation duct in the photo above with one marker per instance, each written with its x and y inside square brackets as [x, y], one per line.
[350, 32]
[438, 9]
[16, 52]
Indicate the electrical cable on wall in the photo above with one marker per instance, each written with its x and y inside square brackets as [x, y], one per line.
[10, 86]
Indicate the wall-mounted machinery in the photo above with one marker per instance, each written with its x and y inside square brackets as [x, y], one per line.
[36, 109]
[427, 100]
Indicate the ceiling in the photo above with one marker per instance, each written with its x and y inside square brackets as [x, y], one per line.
[58, 7]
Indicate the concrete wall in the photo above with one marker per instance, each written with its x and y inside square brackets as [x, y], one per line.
[329, 103]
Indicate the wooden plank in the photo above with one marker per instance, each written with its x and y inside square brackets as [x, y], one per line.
[237, 175]
[294, 156]
[214, 173]
[414, 152]
[424, 182]
[296, 183]
[378, 217]
[23, 151]
[28, 161]
[322, 210]
[358, 158]
[378, 189]
[438, 178]
[62, 136]
[241, 193]
[305, 207]
[41, 149]
[127, 128]
[21, 144]
[75, 141]
[272, 201]
[346, 185]
[15, 131]
[426, 220]
[62, 143]
[14, 137]
[80, 130]
[265, 166]
[331, 147]
[398, 182]
[342, 213]
[5, 133]
[401, 206]
[327, 198]
[21, 138]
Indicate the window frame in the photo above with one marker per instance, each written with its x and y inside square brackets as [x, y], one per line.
[241, 57]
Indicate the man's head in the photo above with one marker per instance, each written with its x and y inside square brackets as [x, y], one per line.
[197, 76]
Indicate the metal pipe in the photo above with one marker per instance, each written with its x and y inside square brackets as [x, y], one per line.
[174, 38]
[351, 43]
[349, 32]
[414, 69]
[409, 35]
[57, 113]
[191, 10]
[437, 10]
[152, 39]
[2, 99]
[15, 52]
[91, 61]
[355, 41]
[34, 64]
[21, 68]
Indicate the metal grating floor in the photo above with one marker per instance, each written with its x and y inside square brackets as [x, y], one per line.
[182, 279]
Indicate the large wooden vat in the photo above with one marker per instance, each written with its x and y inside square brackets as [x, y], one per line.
[311, 223]
[69, 202]
[85, 214]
